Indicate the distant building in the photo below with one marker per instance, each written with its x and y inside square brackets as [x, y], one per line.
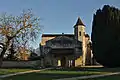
[67, 50]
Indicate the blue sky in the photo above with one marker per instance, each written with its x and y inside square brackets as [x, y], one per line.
[58, 16]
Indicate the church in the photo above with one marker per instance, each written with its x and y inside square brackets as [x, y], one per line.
[67, 50]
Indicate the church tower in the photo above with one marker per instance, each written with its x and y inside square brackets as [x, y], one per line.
[79, 34]
[79, 30]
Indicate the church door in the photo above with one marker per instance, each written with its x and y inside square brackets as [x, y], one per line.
[63, 61]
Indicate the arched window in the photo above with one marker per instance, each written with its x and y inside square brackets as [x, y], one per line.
[80, 33]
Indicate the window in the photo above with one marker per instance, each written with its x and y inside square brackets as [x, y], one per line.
[79, 33]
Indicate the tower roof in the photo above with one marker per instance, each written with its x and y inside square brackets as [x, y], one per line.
[79, 22]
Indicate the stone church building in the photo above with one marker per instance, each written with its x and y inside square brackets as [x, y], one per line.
[67, 50]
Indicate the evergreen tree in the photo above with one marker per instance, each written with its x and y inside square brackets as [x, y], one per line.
[106, 36]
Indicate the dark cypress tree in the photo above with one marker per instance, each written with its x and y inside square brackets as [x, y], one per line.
[106, 36]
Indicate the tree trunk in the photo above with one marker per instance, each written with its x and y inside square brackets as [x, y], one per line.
[3, 52]
[2, 55]
[1, 62]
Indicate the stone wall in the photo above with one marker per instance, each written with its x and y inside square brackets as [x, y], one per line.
[21, 64]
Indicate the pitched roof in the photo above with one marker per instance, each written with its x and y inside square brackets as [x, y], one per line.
[55, 35]
[79, 22]
[62, 39]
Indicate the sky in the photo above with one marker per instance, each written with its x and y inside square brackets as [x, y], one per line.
[58, 16]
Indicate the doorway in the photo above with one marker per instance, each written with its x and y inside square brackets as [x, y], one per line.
[63, 61]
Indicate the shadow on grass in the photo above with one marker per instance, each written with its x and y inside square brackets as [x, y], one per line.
[75, 69]
[58, 73]
[100, 69]
[45, 76]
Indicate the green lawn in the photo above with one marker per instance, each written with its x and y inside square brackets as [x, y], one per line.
[53, 74]
[65, 73]
[90, 69]
[12, 70]
[114, 77]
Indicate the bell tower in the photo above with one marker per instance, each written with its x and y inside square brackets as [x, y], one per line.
[79, 30]
[79, 35]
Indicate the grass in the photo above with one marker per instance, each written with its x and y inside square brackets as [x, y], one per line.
[101, 69]
[114, 77]
[12, 70]
[54, 74]
[47, 75]
[65, 73]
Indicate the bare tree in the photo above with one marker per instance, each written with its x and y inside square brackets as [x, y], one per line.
[21, 29]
